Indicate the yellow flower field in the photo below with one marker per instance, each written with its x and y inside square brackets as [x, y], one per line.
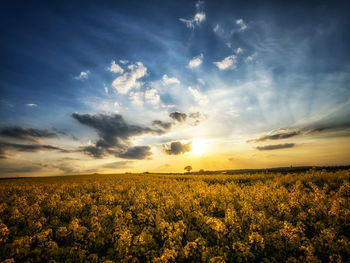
[263, 217]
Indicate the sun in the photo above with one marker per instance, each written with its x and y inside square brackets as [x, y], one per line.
[199, 147]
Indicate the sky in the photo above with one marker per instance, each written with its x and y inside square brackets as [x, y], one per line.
[135, 86]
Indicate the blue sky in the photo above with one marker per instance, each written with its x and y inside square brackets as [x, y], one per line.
[238, 70]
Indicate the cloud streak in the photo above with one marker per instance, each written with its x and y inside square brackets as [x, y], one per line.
[285, 133]
[277, 135]
[275, 147]
[6, 146]
[20, 133]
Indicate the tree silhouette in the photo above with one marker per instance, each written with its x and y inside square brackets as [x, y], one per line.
[188, 168]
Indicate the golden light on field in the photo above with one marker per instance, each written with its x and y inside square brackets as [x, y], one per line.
[199, 147]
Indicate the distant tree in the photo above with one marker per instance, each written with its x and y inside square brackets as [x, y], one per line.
[188, 168]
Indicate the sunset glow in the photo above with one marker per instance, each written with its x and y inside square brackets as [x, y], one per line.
[117, 87]
[199, 147]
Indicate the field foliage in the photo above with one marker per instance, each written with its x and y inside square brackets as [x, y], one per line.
[301, 217]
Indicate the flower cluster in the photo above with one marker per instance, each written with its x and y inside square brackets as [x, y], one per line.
[301, 217]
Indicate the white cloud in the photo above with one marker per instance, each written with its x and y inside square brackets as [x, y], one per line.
[123, 61]
[227, 63]
[239, 50]
[106, 89]
[242, 24]
[250, 58]
[152, 97]
[83, 75]
[201, 81]
[168, 81]
[136, 98]
[216, 28]
[196, 61]
[116, 106]
[196, 21]
[200, 98]
[233, 112]
[115, 68]
[32, 105]
[199, 5]
[198, 18]
[129, 80]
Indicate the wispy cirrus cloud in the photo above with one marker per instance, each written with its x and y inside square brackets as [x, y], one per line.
[250, 58]
[242, 25]
[198, 18]
[83, 75]
[199, 97]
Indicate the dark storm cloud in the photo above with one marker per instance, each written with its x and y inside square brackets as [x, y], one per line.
[115, 134]
[275, 147]
[137, 152]
[17, 132]
[95, 151]
[178, 116]
[164, 125]
[175, 148]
